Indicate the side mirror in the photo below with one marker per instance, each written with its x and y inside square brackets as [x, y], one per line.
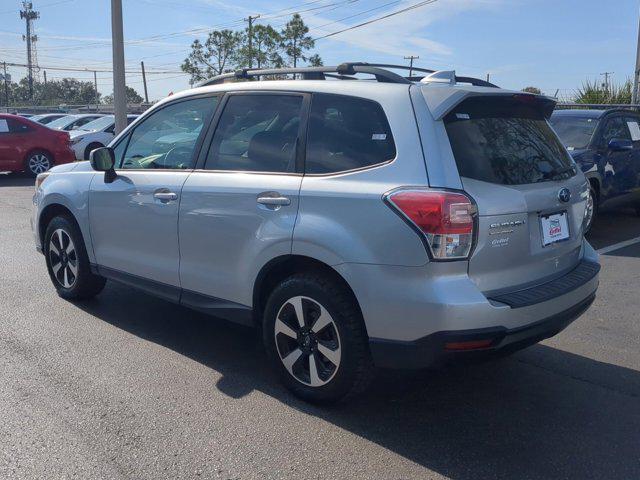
[620, 144]
[103, 160]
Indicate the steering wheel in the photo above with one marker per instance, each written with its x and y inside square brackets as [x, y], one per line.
[175, 158]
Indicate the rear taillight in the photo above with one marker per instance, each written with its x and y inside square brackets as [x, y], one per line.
[445, 219]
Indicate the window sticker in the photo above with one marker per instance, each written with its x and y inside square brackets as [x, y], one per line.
[635, 130]
[4, 126]
[379, 136]
[463, 116]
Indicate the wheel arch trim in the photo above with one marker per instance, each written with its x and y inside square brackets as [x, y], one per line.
[283, 266]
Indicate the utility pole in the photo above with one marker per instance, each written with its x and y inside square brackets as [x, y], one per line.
[411, 58]
[636, 76]
[119, 84]
[250, 19]
[144, 81]
[6, 85]
[95, 87]
[488, 77]
[45, 78]
[29, 16]
[606, 79]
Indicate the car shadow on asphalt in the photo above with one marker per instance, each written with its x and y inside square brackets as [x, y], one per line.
[612, 226]
[541, 413]
[16, 180]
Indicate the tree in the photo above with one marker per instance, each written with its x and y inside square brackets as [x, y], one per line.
[594, 92]
[56, 92]
[315, 60]
[132, 97]
[295, 40]
[534, 90]
[265, 48]
[218, 55]
[227, 50]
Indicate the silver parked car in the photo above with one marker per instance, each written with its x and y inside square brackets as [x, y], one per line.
[387, 222]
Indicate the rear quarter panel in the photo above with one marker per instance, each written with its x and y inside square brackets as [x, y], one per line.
[342, 217]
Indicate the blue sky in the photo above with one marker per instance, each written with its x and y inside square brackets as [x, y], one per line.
[552, 44]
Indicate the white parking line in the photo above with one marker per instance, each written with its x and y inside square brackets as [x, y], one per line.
[618, 246]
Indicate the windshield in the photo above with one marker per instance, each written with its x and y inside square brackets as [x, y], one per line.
[99, 124]
[575, 132]
[62, 122]
[505, 141]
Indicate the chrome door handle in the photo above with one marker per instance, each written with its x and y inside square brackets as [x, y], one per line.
[274, 201]
[165, 196]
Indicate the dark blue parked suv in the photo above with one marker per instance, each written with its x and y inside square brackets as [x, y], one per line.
[606, 146]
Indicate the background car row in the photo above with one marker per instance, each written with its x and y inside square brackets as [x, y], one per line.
[33, 145]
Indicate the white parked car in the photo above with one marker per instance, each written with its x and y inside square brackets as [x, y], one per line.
[73, 122]
[46, 118]
[95, 134]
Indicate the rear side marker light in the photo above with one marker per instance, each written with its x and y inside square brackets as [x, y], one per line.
[469, 345]
[445, 219]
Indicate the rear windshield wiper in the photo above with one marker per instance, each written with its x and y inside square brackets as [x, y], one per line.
[556, 173]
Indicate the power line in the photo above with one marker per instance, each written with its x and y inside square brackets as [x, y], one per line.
[41, 6]
[384, 17]
[358, 14]
[72, 69]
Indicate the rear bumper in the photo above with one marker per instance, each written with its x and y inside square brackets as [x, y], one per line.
[411, 313]
[432, 350]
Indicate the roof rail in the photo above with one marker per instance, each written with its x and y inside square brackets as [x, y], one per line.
[344, 71]
[311, 73]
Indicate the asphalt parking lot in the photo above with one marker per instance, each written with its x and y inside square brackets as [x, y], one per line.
[129, 386]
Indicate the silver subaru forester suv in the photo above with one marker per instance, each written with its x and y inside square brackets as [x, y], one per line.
[383, 222]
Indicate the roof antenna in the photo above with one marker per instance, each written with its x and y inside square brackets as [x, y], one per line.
[441, 76]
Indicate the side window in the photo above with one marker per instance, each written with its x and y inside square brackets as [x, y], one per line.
[167, 137]
[119, 149]
[346, 133]
[256, 133]
[633, 124]
[615, 127]
[17, 127]
[4, 126]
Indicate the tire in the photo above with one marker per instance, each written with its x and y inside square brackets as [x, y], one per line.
[320, 364]
[592, 207]
[67, 261]
[90, 147]
[37, 162]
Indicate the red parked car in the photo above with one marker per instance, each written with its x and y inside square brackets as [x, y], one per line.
[27, 146]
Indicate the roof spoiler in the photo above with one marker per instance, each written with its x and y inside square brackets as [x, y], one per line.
[443, 100]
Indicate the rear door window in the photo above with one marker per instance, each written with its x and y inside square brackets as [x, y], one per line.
[505, 141]
[346, 133]
[257, 133]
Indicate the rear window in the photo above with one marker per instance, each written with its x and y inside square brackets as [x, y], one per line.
[346, 133]
[506, 141]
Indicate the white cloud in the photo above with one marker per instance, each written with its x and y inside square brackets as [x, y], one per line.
[402, 34]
